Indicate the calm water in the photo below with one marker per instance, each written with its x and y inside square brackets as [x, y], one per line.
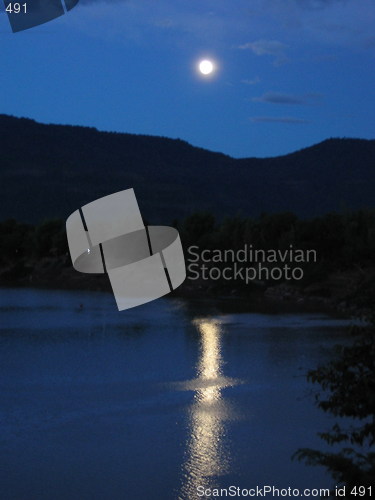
[152, 402]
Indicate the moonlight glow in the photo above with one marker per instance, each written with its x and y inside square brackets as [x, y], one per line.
[206, 67]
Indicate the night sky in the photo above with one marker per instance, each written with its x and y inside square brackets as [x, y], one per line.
[288, 73]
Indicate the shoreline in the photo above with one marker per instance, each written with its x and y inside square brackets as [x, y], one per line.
[340, 293]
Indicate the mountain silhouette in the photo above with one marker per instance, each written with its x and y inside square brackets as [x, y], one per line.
[49, 171]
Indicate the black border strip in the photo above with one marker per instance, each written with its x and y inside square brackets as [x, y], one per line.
[103, 260]
[83, 219]
[168, 279]
[149, 240]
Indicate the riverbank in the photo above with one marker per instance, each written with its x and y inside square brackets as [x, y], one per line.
[349, 292]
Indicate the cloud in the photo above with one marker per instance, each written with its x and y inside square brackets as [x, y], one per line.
[279, 119]
[150, 21]
[278, 28]
[281, 98]
[263, 47]
[299, 23]
[254, 81]
[267, 48]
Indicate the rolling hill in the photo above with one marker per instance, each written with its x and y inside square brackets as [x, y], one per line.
[50, 170]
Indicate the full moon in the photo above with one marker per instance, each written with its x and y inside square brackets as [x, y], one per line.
[206, 67]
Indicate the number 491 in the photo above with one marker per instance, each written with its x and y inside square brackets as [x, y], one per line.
[361, 491]
[16, 8]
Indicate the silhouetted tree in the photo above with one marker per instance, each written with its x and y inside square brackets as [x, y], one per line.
[15, 240]
[196, 227]
[348, 382]
[50, 239]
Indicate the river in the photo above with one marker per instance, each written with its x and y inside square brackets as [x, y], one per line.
[156, 402]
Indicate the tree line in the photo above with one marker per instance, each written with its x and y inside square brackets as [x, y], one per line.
[340, 239]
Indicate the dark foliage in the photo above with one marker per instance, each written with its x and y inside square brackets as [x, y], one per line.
[24, 242]
[342, 242]
[348, 392]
